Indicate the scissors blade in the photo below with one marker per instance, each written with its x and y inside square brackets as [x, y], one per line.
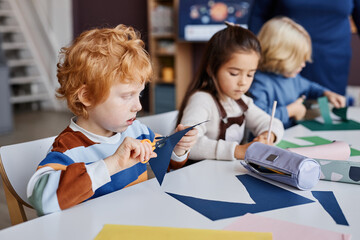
[160, 140]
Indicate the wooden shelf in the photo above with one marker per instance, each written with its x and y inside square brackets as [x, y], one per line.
[164, 36]
[163, 54]
[161, 81]
[167, 52]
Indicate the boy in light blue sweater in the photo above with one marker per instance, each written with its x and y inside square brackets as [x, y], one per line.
[286, 46]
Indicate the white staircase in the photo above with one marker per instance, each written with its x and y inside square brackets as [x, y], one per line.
[32, 75]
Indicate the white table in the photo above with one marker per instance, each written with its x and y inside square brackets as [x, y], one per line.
[148, 204]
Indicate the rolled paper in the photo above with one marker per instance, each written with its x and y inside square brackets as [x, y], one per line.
[337, 150]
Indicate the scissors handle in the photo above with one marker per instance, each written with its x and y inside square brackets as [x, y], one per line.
[151, 143]
[153, 147]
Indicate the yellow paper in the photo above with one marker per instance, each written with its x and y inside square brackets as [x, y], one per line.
[112, 231]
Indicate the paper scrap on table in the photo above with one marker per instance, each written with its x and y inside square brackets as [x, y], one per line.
[324, 109]
[265, 195]
[128, 232]
[330, 204]
[328, 124]
[316, 141]
[283, 230]
[341, 112]
[337, 150]
[314, 125]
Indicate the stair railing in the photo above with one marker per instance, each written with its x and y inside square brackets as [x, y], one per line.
[41, 44]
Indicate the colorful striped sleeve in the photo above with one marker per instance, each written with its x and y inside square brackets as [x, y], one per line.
[59, 185]
[59, 181]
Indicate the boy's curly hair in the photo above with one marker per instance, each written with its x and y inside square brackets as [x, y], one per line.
[97, 59]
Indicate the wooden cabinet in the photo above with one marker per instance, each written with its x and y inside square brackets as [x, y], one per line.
[172, 60]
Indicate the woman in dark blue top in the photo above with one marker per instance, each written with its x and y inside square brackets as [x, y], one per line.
[327, 22]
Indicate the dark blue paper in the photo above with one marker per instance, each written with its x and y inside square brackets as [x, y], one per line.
[160, 164]
[329, 203]
[354, 173]
[265, 195]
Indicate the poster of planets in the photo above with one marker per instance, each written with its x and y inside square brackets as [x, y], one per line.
[200, 19]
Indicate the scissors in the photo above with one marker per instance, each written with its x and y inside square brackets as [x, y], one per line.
[158, 142]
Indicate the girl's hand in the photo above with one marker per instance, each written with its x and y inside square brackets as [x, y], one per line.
[240, 150]
[335, 99]
[130, 152]
[263, 138]
[186, 142]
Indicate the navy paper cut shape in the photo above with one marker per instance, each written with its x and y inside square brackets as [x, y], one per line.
[329, 203]
[354, 173]
[265, 195]
[160, 164]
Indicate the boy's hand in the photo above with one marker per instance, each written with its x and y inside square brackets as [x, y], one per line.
[335, 99]
[130, 152]
[297, 109]
[186, 142]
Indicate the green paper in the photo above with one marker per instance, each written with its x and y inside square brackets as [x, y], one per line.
[328, 124]
[324, 109]
[354, 152]
[341, 112]
[285, 144]
[315, 140]
[314, 125]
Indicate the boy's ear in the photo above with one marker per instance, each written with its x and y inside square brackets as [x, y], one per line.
[83, 96]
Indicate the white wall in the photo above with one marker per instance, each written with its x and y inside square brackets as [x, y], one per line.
[58, 14]
[48, 25]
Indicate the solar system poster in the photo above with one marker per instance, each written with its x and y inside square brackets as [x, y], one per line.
[200, 19]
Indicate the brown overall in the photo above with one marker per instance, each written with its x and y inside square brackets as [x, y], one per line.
[227, 122]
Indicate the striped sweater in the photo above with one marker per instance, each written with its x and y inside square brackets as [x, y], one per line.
[74, 171]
